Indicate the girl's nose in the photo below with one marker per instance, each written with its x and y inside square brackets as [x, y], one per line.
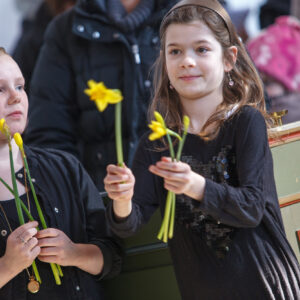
[188, 61]
[14, 97]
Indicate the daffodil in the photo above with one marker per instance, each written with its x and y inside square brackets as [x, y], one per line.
[102, 96]
[2, 121]
[5, 129]
[159, 130]
[19, 141]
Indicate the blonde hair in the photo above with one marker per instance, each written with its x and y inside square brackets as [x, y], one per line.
[247, 89]
[2, 51]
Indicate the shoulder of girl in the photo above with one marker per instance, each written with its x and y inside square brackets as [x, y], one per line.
[248, 113]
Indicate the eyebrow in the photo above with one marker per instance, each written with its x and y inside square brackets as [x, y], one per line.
[17, 79]
[196, 42]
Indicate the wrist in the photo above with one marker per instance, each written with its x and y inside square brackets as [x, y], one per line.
[122, 209]
[88, 258]
[7, 271]
[197, 188]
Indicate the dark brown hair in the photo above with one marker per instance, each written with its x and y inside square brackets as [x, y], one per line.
[247, 89]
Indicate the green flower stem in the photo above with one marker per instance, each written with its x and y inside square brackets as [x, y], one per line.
[55, 273]
[180, 146]
[22, 204]
[18, 205]
[61, 274]
[118, 133]
[167, 216]
[172, 217]
[36, 272]
[41, 216]
[15, 188]
[164, 221]
[172, 153]
[38, 207]
[7, 186]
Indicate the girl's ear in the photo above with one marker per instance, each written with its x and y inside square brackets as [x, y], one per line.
[232, 52]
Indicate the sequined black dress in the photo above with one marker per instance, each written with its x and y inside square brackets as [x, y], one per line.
[231, 245]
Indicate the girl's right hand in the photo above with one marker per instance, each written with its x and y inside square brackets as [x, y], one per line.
[119, 183]
[21, 248]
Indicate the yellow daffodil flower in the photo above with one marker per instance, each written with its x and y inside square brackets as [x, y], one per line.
[186, 122]
[2, 121]
[158, 130]
[19, 141]
[102, 96]
[159, 118]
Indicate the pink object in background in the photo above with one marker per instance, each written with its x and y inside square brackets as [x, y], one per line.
[275, 52]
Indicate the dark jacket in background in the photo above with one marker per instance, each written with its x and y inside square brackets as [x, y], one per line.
[71, 203]
[88, 43]
[28, 46]
[271, 10]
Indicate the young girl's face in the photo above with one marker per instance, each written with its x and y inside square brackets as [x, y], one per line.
[13, 99]
[194, 61]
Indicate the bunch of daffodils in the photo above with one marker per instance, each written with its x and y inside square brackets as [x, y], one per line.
[159, 130]
[56, 269]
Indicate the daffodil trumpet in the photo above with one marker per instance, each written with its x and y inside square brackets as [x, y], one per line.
[159, 130]
[19, 142]
[102, 96]
[5, 130]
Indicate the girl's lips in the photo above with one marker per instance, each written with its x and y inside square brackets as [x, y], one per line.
[15, 114]
[189, 78]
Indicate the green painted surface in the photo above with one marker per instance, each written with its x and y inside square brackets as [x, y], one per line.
[287, 168]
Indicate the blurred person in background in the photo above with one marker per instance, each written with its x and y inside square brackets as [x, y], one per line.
[275, 52]
[113, 41]
[34, 25]
[273, 9]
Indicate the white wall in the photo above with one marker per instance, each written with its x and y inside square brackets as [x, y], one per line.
[252, 21]
[10, 20]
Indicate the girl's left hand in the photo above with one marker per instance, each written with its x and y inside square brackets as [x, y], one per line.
[179, 178]
[56, 247]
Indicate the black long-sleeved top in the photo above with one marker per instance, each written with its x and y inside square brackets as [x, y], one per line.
[231, 244]
[71, 203]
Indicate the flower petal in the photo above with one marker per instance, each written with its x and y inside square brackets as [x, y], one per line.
[101, 105]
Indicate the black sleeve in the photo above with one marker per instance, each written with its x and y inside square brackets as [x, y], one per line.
[146, 196]
[97, 228]
[53, 111]
[242, 206]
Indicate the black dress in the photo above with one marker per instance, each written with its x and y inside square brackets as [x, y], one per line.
[232, 244]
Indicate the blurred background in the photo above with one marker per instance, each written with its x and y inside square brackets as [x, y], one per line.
[13, 12]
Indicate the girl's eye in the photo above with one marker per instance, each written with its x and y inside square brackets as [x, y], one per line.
[1, 89]
[20, 88]
[174, 51]
[202, 50]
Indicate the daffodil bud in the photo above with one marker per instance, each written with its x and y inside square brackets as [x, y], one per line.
[159, 118]
[18, 140]
[186, 122]
[2, 121]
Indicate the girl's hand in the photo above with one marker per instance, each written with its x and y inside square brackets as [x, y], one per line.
[119, 183]
[179, 178]
[21, 248]
[56, 247]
